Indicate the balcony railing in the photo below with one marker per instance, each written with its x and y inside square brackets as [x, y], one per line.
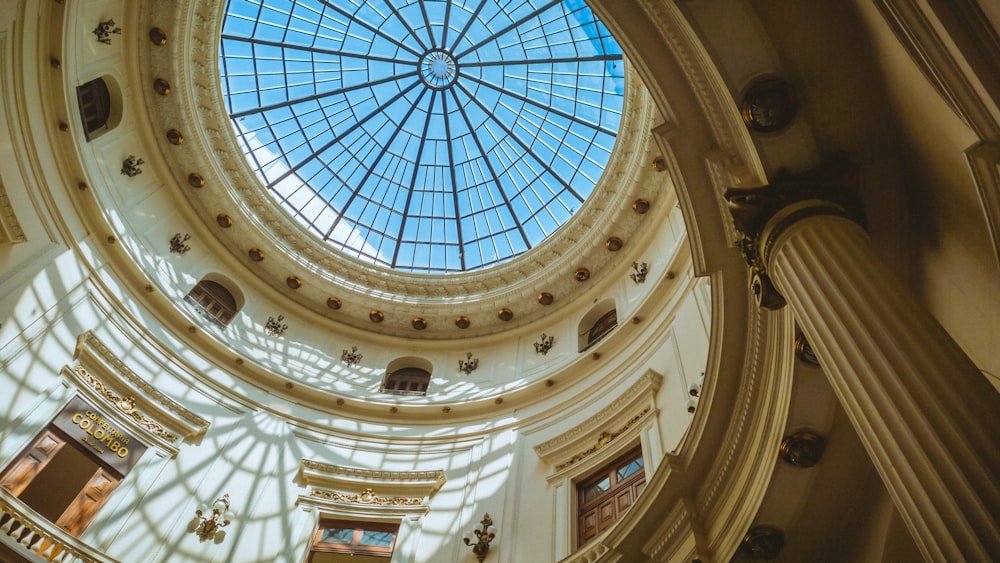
[34, 538]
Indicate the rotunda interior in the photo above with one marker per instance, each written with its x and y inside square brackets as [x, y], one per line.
[530, 281]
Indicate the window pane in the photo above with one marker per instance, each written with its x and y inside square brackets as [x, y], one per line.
[377, 539]
[337, 535]
[629, 468]
[383, 139]
[596, 489]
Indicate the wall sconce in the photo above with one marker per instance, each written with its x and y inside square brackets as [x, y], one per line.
[639, 272]
[484, 535]
[274, 327]
[208, 527]
[352, 358]
[105, 30]
[545, 345]
[177, 245]
[469, 364]
[130, 166]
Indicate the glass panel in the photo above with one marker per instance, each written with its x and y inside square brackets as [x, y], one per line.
[629, 468]
[377, 539]
[435, 137]
[591, 492]
[337, 535]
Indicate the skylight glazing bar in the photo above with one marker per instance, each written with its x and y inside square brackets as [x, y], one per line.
[489, 165]
[371, 169]
[324, 96]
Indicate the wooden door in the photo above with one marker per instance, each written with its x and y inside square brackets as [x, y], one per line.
[31, 462]
[84, 507]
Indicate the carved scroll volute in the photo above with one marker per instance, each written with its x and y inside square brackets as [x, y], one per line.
[761, 214]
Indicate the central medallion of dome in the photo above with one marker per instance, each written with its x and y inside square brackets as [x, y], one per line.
[438, 69]
[433, 137]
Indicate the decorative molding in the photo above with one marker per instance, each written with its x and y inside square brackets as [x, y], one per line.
[664, 541]
[313, 467]
[761, 214]
[984, 160]
[921, 39]
[952, 71]
[603, 439]
[351, 490]
[620, 415]
[366, 496]
[125, 405]
[211, 147]
[709, 87]
[593, 551]
[356, 480]
[10, 229]
[116, 384]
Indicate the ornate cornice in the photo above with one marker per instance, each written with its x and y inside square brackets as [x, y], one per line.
[603, 439]
[125, 405]
[436, 477]
[620, 415]
[123, 388]
[356, 485]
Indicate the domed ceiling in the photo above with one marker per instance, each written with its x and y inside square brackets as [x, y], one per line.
[432, 137]
[441, 170]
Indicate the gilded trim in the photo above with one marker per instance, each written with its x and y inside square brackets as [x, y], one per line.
[367, 497]
[126, 405]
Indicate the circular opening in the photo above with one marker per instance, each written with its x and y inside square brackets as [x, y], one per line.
[419, 144]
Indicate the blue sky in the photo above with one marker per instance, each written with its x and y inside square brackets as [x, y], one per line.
[430, 169]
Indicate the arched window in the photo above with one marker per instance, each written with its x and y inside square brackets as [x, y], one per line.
[596, 324]
[407, 381]
[213, 301]
[95, 102]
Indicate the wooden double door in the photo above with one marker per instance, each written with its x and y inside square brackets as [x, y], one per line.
[60, 480]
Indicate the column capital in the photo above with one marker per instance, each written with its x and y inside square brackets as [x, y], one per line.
[760, 214]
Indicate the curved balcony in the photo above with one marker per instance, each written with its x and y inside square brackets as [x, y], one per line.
[31, 537]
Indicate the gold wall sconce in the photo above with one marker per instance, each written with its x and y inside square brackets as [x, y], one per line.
[209, 522]
[105, 30]
[542, 347]
[469, 364]
[274, 327]
[352, 358]
[178, 243]
[486, 533]
[131, 166]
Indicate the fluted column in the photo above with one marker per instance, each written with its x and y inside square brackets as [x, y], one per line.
[927, 417]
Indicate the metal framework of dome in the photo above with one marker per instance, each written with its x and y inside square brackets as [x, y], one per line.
[429, 136]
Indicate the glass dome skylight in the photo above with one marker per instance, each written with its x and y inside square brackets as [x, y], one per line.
[429, 136]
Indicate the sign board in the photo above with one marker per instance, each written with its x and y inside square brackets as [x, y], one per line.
[99, 435]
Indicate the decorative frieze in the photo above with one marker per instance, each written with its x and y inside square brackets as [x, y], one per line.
[125, 405]
[366, 496]
[603, 439]
[10, 229]
[618, 418]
